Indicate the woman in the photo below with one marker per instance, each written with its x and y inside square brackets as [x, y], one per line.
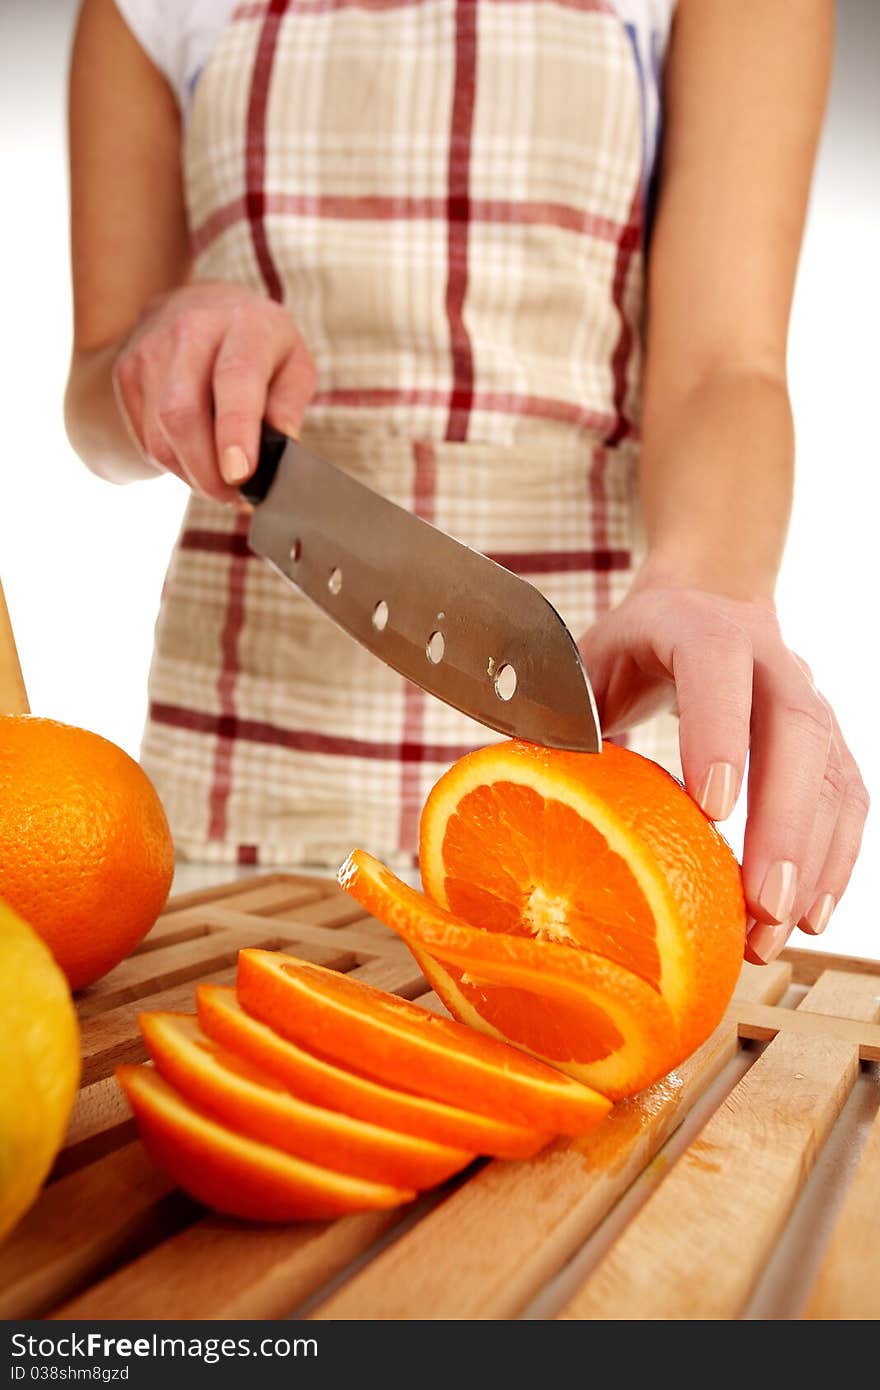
[415, 233]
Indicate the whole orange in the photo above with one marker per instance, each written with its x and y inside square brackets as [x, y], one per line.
[86, 855]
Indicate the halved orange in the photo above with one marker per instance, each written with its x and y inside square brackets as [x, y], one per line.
[397, 1042]
[313, 1079]
[604, 853]
[245, 1098]
[571, 1008]
[235, 1175]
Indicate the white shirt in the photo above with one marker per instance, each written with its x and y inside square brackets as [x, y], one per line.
[179, 36]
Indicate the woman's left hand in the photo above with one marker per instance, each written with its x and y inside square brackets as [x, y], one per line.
[739, 690]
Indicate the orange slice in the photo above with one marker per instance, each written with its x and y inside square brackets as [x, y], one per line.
[235, 1175]
[316, 1080]
[399, 1043]
[603, 853]
[240, 1095]
[574, 1009]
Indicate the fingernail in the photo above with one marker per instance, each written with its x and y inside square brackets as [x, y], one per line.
[779, 889]
[234, 465]
[767, 940]
[292, 431]
[718, 792]
[819, 915]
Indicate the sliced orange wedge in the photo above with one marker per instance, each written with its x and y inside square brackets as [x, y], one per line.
[571, 1008]
[251, 1102]
[403, 1045]
[314, 1079]
[236, 1175]
[603, 853]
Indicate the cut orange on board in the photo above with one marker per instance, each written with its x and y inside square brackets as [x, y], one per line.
[243, 1097]
[572, 1008]
[314, 1079]
[602, 857]
[236, 1175]
[403, 1045]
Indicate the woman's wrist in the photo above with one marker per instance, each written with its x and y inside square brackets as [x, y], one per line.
[681, 566]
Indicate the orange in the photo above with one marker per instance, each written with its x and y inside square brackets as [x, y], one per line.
[235, 1175]
[397, 1042]
[313, 1079]
[85, 850]
[253, 1103]
[603, 857]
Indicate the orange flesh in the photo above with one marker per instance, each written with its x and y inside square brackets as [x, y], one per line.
[552, 876]
[235, 1175]
[241, 1096]
[560, 1030]
[403, 1045]
[315, 1079]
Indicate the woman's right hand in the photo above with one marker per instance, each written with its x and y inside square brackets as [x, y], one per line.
[201, 369]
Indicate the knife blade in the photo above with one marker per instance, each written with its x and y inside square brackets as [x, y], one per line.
[459, 625]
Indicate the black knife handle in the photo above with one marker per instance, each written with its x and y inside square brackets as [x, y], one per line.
[272, 446]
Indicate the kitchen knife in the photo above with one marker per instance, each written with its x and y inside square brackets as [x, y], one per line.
[462, 627]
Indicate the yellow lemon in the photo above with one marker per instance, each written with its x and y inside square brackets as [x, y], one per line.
[39, 1064]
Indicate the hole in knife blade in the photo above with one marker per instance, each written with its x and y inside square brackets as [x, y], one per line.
[435, 648]
[334, 583]
[296, 551]
[380, 616]
[505, 682]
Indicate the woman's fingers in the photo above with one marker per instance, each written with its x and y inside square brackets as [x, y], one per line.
[184, 405]
[257, 353]
[789, 780]
[712, 666]
[291, 389]
[199, 373]
[660, 649]
[741, 692]
[836, 865]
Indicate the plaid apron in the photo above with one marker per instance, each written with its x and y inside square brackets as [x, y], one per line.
[449, 197]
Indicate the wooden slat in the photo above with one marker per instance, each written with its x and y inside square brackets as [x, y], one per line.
[83, 1224]
[845, 995]
[171, 965]
[101, 1121]
[762, 984]
[848, 1284]
[762, 1022]
[221, 1269]
[807, 966]
[180, 923]
[486, 1250]
[359, 937]
[698, 1246]
[337, 911]
[223, 891]
[113, 1037]
[398, 974]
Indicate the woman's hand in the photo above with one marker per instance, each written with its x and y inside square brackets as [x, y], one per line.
[739, 690]
[198, 373]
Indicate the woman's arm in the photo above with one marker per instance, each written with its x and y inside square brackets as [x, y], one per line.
[129, 241]
[745, 92]
[165, 375]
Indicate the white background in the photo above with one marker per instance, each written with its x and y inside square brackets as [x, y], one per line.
[82, 562]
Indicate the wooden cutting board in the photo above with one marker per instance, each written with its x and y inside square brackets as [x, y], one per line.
[746, 1184]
